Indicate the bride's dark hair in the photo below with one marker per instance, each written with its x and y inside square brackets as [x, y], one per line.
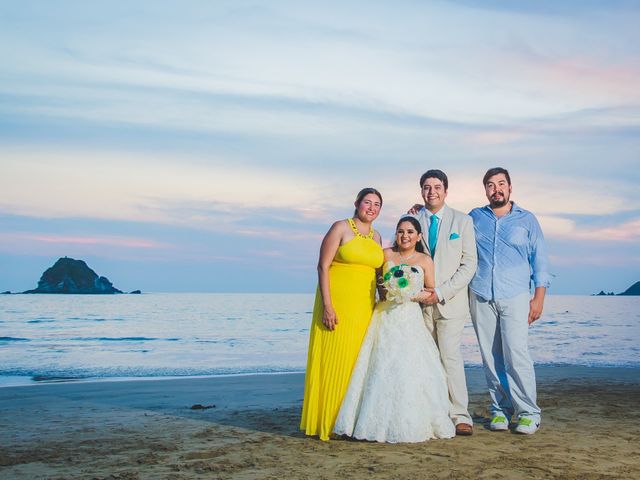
[416, 225]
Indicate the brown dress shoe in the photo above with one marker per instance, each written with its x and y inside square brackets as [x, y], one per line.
[464, 429]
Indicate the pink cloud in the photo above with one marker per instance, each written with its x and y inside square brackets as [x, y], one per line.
[604, 260]
[592, 79]
[280, 234]
[582, 74]
[124, 242]
[626, 232]
[566, 229]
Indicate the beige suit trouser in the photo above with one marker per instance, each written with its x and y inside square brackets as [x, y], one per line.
[447, 333]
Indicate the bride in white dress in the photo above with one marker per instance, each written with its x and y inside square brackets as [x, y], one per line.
[398, 390]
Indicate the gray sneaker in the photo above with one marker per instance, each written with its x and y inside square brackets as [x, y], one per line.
[527, 425]
[499, 423]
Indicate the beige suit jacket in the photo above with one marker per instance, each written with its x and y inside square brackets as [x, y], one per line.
[455, 261]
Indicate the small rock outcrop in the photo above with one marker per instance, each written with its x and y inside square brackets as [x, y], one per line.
[632, 290]
[73, 276]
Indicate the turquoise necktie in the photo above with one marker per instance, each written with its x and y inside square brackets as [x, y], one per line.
[433, 235]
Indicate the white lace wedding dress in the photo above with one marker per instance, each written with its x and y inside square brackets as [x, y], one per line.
[398, 390]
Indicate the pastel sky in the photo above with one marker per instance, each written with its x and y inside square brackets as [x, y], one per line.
[208, 146]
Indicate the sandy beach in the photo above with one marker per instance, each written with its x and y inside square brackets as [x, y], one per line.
[147, 429]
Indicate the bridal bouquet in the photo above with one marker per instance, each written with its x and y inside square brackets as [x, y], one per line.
[402, 282]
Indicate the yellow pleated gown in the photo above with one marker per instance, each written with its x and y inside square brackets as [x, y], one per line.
[332, 354]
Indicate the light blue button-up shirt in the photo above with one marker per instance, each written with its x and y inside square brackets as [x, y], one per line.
[511, 253]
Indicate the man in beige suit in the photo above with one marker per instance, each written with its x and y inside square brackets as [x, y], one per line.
[448, 236]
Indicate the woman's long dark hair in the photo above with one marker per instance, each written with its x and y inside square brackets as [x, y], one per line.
[416, 224]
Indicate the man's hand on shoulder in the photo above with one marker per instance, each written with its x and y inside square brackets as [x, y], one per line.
[415, 209]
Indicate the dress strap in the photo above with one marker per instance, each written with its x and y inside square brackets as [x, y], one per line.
[352, 224]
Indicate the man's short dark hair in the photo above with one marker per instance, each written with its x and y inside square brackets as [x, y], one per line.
[439, 174]
[496, 171]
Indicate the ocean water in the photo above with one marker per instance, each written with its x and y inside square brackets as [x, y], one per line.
[53, 337]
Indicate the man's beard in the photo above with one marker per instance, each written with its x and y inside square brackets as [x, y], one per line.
[497, 202]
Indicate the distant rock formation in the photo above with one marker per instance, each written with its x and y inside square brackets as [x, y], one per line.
[603, 293]
[73, 276]
[632, 290]
[135, 292]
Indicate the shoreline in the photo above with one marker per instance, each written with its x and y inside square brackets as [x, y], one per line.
[246, 426]
[11, 381]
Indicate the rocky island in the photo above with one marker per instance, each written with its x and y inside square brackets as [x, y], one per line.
[632, 290]
[68, 275]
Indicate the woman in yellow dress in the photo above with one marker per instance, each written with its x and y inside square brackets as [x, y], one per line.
[349, 256]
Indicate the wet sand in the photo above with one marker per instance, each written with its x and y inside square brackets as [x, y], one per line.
[148, 430]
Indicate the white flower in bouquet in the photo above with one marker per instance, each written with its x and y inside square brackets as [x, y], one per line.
[403, 282]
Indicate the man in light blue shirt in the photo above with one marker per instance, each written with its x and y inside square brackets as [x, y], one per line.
[511, 256]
